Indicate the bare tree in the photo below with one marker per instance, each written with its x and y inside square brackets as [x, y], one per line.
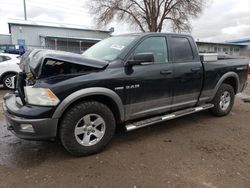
[148, 15]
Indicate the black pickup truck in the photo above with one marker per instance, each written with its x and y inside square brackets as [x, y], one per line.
[132, 80]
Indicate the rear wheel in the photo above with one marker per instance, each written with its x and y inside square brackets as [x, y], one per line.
[7, 81]
[223, 100]
[87, 128]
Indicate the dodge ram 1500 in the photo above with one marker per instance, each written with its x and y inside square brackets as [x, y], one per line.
[132, 80]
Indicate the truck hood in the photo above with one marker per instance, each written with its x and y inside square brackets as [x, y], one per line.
[34, 60]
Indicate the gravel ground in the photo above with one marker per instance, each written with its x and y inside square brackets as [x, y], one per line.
[198, 150]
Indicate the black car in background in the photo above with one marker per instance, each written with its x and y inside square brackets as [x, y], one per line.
[4, 47]
[20, 50]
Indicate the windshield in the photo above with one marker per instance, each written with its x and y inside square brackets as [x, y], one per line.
[109, 49]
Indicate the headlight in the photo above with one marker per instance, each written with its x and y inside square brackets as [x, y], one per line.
[40, 96]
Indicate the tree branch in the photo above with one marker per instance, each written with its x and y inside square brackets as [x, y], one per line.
[148, 15]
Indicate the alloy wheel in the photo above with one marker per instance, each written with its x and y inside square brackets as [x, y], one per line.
[225, 100]
[8, 83]
[90, 129]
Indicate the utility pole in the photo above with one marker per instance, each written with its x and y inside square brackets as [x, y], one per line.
[24, 8]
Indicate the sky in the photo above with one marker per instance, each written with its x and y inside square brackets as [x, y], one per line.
[221, 20]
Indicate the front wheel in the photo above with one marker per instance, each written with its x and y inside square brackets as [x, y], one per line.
[87, 128]
[223, 100]
[7, 81]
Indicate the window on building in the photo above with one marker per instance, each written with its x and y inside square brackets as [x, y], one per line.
[236, 49]
[182, 50]
[219, 49]
[225, 49]
[215, 49]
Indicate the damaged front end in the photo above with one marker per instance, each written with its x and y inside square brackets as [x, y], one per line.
[29, 111]
[40, 64]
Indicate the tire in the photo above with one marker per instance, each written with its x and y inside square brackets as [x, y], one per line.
[223, 100]
[79, 131]
[7, 81]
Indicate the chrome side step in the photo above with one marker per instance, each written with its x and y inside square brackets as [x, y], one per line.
[157, 119]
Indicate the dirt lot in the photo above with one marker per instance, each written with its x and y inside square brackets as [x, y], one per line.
[194, 151]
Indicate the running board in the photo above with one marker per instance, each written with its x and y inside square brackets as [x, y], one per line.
[166, 117]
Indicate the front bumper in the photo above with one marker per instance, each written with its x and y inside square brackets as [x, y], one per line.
[42, 129]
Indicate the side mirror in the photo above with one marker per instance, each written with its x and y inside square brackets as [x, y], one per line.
[141, 59]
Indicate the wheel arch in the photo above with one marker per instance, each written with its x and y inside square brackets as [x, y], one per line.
[103, 95]
[230, 78]
[6, 73]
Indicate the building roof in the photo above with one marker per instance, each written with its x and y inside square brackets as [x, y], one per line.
[221, 43]
[240, 41]
[72, 38]
[53, 25]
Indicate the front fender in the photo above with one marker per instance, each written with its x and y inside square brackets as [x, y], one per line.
[89, 92]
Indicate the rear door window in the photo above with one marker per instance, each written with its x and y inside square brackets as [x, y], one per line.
[181, 49]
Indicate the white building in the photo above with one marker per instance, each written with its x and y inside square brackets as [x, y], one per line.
[232, 49]
[73, 38]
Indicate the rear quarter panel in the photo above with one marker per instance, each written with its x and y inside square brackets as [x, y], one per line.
[214, 72]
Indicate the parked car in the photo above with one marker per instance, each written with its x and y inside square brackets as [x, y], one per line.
[9, 67]
[4, 47]
[20, 50]
[132, 80]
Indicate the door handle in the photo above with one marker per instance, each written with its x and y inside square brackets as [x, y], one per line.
[166, 72]
[196, 69]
